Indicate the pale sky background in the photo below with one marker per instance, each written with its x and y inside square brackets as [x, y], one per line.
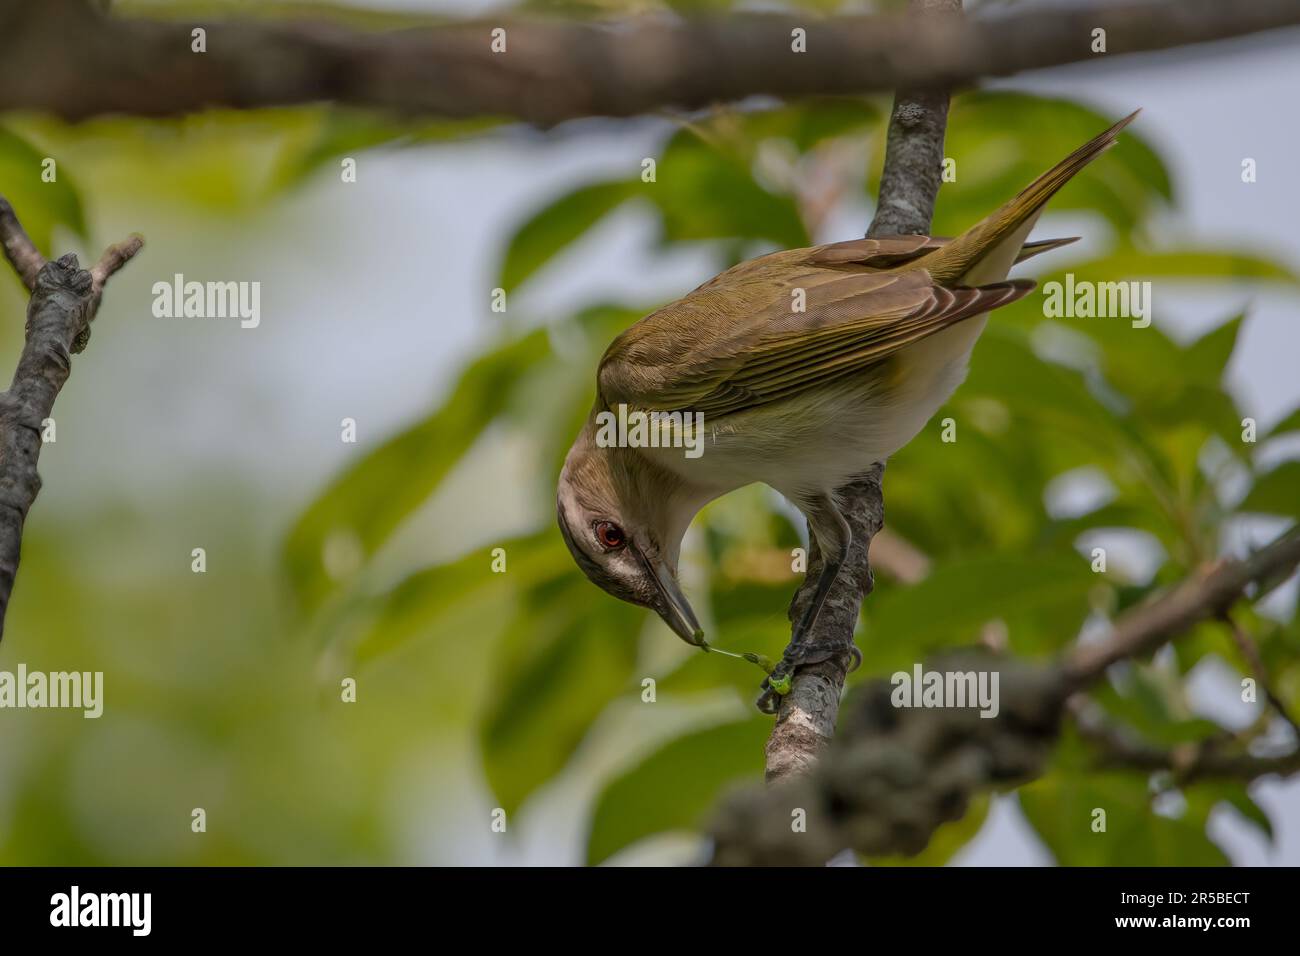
[385, 296]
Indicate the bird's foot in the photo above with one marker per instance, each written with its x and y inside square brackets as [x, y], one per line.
[799, 654]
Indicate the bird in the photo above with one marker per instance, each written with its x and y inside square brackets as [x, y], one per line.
[800, 369]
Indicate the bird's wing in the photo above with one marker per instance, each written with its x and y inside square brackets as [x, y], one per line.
[892, 251]
[875, 253]
[734, 345]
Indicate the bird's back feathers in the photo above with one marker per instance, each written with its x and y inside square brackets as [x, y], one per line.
[772, 327]
[753, 342]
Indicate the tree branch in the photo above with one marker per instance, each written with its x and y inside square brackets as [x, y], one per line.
[1144, 629]
[18, 247]
[909, 182]
[1196, 760]
[64, 57]
[1250, 652]
[805, 720]
[893, 775]
[63, 303]
[1198, 763]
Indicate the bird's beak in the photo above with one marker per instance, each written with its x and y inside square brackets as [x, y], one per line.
[671, 603]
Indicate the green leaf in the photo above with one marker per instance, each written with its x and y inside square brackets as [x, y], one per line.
[1289, 424]
[1062, 807]
[1115, 515]
[224, 162]
[677, 786]
[1236, 794]
[360, 509]
[1059, 398]
[704, 193]
[1207, 358]
[1276, 492]
[363, 18]
[558, 224]
[1154, 386]
[40, 205]
[221, 161]
[567, 653]
[698, 7]
[1190, 265]
[950, 606]
[1144, 704]
[421, 601]
[340, 131]
[811, 122]
[1002, 140]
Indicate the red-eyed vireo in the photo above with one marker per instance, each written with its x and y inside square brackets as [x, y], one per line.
[799, 369]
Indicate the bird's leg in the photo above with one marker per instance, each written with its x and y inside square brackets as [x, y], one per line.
[827, 526]
[830, 569]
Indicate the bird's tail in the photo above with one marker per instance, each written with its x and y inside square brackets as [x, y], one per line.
[1011, 223]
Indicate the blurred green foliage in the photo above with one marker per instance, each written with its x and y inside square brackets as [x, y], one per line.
[53, 201]
[543, 661]
[1149, 415]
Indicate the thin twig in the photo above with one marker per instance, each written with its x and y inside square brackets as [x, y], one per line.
[1250, 651]
[19, 248]
[1207, 594]
[64, 300]
[1113, 749]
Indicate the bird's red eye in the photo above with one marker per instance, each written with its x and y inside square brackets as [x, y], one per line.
[610, 535]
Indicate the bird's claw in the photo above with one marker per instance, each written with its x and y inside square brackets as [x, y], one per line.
[769, 702]
[799, 654]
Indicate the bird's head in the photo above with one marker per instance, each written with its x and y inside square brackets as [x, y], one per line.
[623, 519]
